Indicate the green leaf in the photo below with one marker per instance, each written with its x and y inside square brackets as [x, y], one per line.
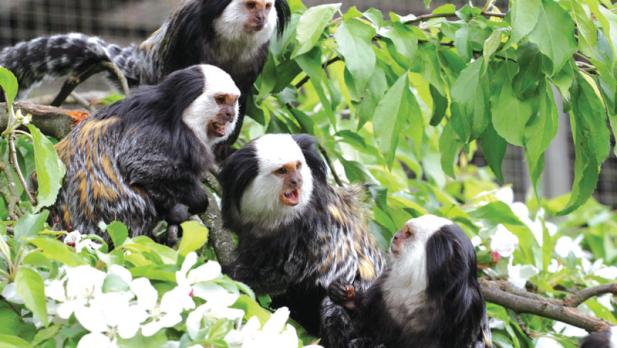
[509, 114]
[8, 341]
[118, 232]
[139, 341]
[30, 225]
[11, 323]
[591, 141]
[440, 105]
[403, 37]
[450, 144]
[312, 24]
[8, 83]
[496, 213]
[470, 114]
[113, 283]
[554, 34]
[45, 334]
[29, 286]
[490, 47]
[494, 149]
[388, 117]
[462, 42]
[539, 132]
[49, 168]
[166, 273]
[251, 308]
[194, 236]
[445, 9]
[146, 246]
[58, 251]
[354, 39]
[525, 14]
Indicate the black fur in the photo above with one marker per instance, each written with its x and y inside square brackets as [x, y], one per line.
[598, 340]
[293, 261]
[452, 313]
[154, 161]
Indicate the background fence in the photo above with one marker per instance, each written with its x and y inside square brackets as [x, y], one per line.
[125, 21]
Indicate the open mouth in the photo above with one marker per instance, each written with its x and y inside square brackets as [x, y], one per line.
[216, 129]
[290, 197]
[254, 27]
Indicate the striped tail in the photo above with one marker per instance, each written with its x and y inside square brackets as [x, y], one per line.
[60, 55]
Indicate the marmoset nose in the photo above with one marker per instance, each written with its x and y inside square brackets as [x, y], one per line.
[229, 116]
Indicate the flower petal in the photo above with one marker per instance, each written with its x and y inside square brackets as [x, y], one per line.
[193, 321]
[146, 293]
[177, 300]
[206, 272]
[277, 321]
[214, 294]
[55, 290]
[91, 318]
[10, 294]
[189, 262]
[94, 340]
[121, 272]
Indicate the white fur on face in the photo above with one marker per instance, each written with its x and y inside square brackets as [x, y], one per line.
[614, 337]
[407, 280]
[260, 202]
[204, 108]
[230, 24]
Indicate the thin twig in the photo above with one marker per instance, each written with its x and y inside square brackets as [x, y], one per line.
[83, 102]
[306, 78]
[577, 298]
[325, 155]
[19, 131]
[429, 16]
[73, 81]
[113, 68]
[17, 169]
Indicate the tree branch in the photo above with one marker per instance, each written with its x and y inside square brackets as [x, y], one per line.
[50, 120]
[577, 298]
[541, 306]
[221, 238]
[429, 16]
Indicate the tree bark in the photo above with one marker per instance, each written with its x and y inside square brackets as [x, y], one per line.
[52, 121]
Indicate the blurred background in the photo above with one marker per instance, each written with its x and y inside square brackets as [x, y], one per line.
[126, 21]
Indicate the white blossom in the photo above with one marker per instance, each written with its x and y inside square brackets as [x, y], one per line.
[566, 246]
[10, 294]
[275, 333]
[569, 330]
[606, 301]
[503, 241]
[520, 274]
[547, 342]
[476, 241]
[77, 289]
[161, 315]
[554, 266]
[111, 315]
[607, 272]
[79, 242]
